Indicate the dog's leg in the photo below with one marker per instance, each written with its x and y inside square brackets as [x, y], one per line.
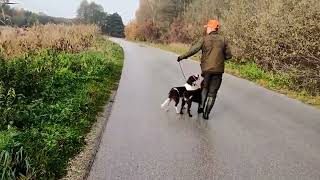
[200, 110]
[182, 105]
[177, 110]
[177, 100]
[166, 103]
[189, 107]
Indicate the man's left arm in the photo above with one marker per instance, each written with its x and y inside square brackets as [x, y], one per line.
[193, 50]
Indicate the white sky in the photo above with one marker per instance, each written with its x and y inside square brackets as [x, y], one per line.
[68, 8]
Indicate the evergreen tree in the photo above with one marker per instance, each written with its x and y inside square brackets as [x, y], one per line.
[114, 26]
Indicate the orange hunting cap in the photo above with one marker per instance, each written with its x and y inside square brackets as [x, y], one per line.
[213, 24]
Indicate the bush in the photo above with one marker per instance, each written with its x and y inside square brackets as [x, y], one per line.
[50, 98]
[252, 72]
[282, 36]
[178, 32]
[131, 31]
[147, 31]
[14, 163]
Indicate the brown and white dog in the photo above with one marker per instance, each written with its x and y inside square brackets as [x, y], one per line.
[178, 92]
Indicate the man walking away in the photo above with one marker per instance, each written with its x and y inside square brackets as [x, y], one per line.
[215, 50]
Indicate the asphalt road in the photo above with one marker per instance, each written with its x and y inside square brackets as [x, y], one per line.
[254, 133]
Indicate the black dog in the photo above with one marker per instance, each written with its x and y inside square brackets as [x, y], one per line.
[192, 96]
[178, 92]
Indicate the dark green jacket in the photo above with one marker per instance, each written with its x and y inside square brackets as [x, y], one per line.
[215, 50]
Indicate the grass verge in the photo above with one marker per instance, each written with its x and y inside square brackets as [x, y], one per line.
[49, 99]
[250, 71]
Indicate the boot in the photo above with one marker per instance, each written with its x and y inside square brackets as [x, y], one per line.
[208, 107]
[203, 100]
[200, 110]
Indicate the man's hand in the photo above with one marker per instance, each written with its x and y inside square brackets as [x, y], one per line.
[179, 59]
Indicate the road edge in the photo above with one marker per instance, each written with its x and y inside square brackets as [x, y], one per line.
[80, 166]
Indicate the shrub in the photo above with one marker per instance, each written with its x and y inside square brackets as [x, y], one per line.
[131, 31]
[149, 31]
[178, 32]
[252, 72]
[49, 99]
[282, 36]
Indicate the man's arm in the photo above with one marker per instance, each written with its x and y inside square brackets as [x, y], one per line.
[193, 50]
[227, 51]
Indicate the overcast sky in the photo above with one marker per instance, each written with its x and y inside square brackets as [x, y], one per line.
[68, 8]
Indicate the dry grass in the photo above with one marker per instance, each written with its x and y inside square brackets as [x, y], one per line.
[70, 38]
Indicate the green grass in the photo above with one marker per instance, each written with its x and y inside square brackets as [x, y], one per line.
[48, 102]
[251, 71]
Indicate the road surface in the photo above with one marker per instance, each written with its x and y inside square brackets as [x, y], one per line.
[254, 134]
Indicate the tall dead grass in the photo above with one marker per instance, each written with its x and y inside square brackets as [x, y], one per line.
[70, 38]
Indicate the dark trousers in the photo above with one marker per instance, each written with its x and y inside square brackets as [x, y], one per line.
[211, 86]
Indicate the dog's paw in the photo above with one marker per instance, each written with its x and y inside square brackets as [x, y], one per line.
[181, 112]
[165, 109]
[190, 115]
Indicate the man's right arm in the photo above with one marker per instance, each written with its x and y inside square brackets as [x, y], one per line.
[227, 50]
